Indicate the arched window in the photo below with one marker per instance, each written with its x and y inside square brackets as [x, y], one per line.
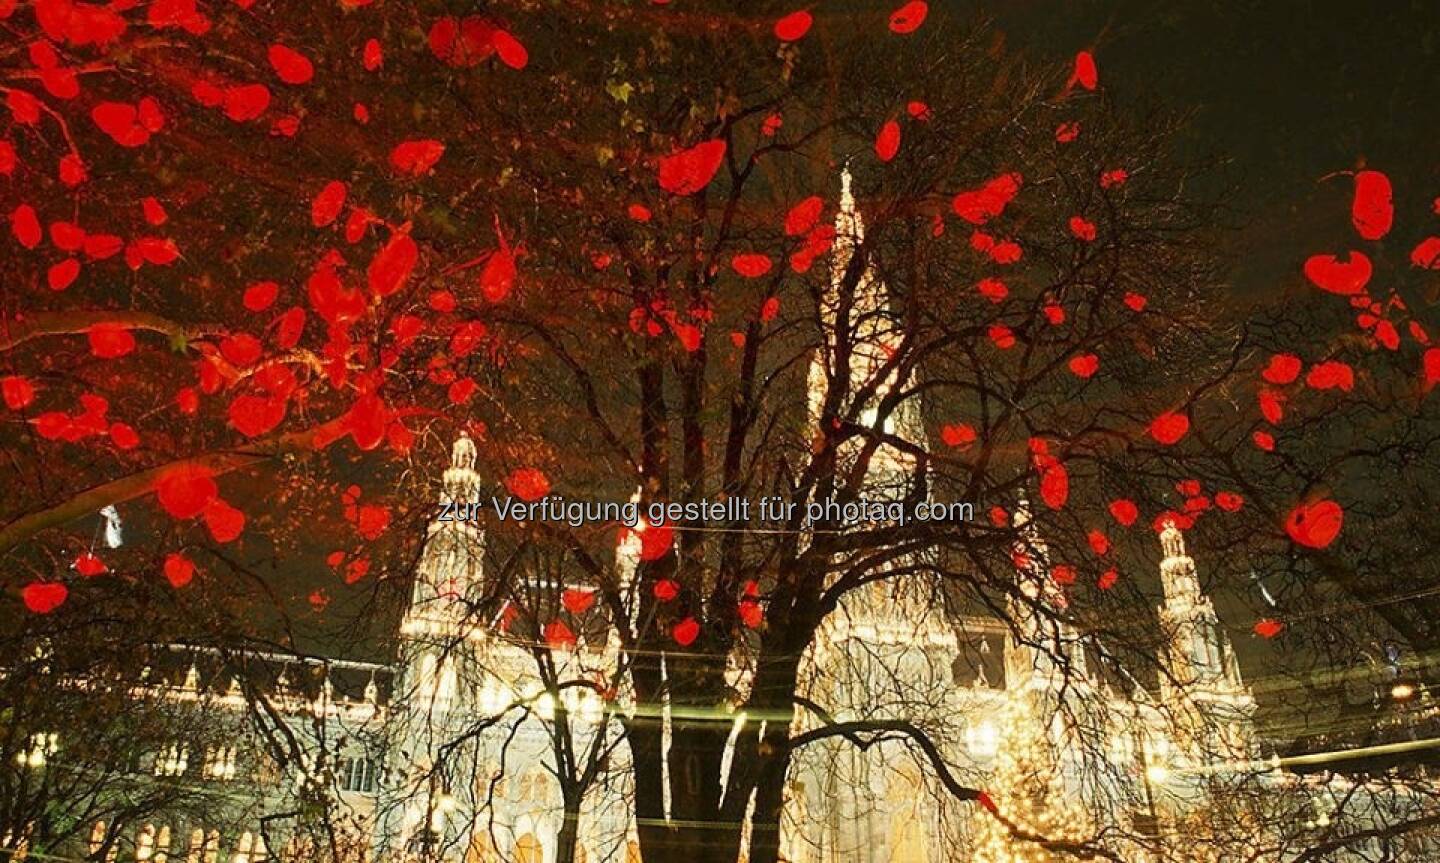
[534, 787]
[145, 843]
[197, 843]
[162, 844]
[529, 850]
[909, 842]
[242, 848]
[212, 847]
[481, 849]
[97, 837]
[447, 686]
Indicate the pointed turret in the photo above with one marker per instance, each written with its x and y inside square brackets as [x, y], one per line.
[863, 317]
[436, 688]
[1177, 571]
[1200, 672]
[1198, 650]
[451, 566]
[849, 224]
[461, 483]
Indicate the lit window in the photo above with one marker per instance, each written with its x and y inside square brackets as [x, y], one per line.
[357, 774]
[214, 763]
[448, 685]
[145, 843]
[242, 848]
[529, 850]
[982, 739]
[41, 747]
[494, 697]
[172, 760]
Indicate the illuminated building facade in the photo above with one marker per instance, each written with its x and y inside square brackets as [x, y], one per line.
[1064, 749]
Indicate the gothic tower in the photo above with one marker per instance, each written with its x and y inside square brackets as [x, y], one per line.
[882, 647]
[429, 795]
[863, 321]
[1200, 670]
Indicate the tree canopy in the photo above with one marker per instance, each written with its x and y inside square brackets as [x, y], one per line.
[268, 259]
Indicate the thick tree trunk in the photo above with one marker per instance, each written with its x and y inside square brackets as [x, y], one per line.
[695, 832]
[762, 766]
[568, 839]
[770, 797]
[703, 827]
[697, 748]
[646, 756]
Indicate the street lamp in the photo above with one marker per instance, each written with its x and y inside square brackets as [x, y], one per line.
[1402, 691]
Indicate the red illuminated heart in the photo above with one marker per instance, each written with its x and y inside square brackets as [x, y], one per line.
[1347, 277]
[687, 171]
[1372, 211]
[1169, 428]
[887, 141]
[908, 18]
[577, 601]
[18, 392]
[225, 522]
[803, 216]
[557, 634]
[43, 597]
[1124, 511]
[751, 265]
[178, 570]
[1282, 369]
[184, 491]
[685, 632]
[89, 565]
[794, 26]
[1315, 525]
[656, 541]
[528, 483]
[1269, 628]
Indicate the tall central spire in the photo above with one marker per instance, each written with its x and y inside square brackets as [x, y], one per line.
[461, 484]
[864, 317]
[849, 224]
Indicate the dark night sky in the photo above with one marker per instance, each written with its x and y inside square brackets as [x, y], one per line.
[1283, 92]
[1286, 91]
